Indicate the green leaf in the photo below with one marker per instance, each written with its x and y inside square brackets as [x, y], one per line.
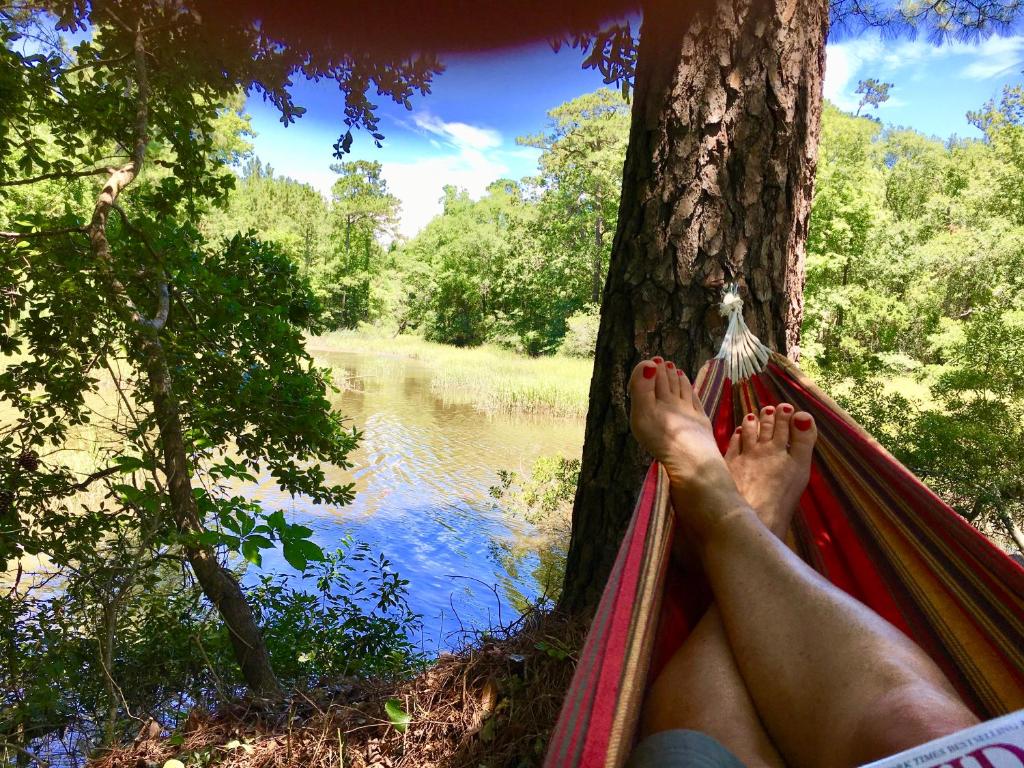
[276, 520]
[310, 550]
[130, 463]
[251, 552]
[293, 554]
[209, 538]
[299, 532]
[398, 716]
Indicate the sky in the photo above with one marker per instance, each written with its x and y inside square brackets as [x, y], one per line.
[464, 132]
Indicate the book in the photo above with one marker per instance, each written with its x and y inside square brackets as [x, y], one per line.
[997, 743]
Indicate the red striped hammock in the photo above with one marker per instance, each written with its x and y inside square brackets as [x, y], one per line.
[865, 522]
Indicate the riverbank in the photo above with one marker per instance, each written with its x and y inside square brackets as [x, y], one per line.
[489, 378]
[492, 704]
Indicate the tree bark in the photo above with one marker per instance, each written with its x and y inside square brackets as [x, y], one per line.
[716, 188]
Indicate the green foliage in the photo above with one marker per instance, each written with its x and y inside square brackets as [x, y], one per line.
[150, 368]
[349, 617]
[355, 622]
[336, 245]
[513, 266]
[544, 498]
[873, 93]
[913, 297]
[580, 338]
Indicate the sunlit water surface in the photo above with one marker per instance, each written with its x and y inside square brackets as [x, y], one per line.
[422, 473]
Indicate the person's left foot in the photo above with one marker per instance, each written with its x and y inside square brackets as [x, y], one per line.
[769, 457]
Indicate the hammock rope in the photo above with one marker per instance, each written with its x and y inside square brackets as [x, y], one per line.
[865, 522]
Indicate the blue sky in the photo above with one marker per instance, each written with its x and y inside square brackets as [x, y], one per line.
[464, 132]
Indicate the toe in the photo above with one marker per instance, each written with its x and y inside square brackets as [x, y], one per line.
[686, 393]
[748, 432]
[661, 389]
[642, 380]
[767, 426]
[673, 378]
[783, 416]
[734, 444]
[697, 404]
[802, 435]
[682, 380]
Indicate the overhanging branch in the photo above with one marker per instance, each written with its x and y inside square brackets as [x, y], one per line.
[67, 175]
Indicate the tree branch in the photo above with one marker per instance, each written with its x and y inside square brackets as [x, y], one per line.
[22, 751]
[68, 175]
[96, 476]
[43, 233]
[164, 306]
[118, 180]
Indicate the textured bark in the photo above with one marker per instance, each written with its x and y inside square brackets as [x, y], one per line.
[716, 188]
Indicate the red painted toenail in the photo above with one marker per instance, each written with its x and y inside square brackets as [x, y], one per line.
[738, 430]
[678, 372]
[649, 371]
[769, 410]
[787, 408]
[670, 365]
[751, 417]
[803, 423]
[658, 360]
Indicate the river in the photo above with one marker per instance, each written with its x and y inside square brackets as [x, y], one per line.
[422, 473]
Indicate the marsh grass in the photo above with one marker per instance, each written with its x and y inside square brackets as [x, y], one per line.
[489, 378]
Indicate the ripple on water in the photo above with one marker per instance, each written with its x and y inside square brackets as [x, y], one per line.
[421, 475]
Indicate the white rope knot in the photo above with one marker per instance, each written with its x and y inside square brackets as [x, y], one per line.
[731, 302]
[742, 351]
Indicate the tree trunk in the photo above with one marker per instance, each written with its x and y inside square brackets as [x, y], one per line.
[716, 188]
[218, 584]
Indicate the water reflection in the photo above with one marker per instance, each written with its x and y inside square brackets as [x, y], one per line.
[421, 475]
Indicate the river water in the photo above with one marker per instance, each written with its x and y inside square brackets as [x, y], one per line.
[422, 474]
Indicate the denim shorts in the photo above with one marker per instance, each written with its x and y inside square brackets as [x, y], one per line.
[682, 749]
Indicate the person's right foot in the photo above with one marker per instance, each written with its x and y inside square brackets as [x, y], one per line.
[668, 421]
[770, 460]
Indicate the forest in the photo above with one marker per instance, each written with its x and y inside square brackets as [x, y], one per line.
[170, 303]
[912, 295]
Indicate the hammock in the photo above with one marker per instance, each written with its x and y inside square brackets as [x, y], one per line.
[865, 522]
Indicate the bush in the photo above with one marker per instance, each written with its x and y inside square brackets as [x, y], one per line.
[581, 337]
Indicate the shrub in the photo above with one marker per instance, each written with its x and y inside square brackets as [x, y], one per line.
[581, 336]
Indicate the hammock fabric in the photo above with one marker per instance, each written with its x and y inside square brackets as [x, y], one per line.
[865, 522]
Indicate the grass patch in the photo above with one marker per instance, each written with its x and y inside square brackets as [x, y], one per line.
[489, 378]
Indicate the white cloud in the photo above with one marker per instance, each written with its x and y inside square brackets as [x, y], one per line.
[844, 62]
[459, 134]
[465, 156]
[908, 60]
[996, 56]
[420, 184]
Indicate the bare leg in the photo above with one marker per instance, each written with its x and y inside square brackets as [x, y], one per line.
[701, 688]
[834, 684]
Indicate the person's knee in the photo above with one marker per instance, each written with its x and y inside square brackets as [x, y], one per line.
[906, 716]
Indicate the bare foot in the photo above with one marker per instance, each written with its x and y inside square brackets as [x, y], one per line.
[668, 421]
[769, 457]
